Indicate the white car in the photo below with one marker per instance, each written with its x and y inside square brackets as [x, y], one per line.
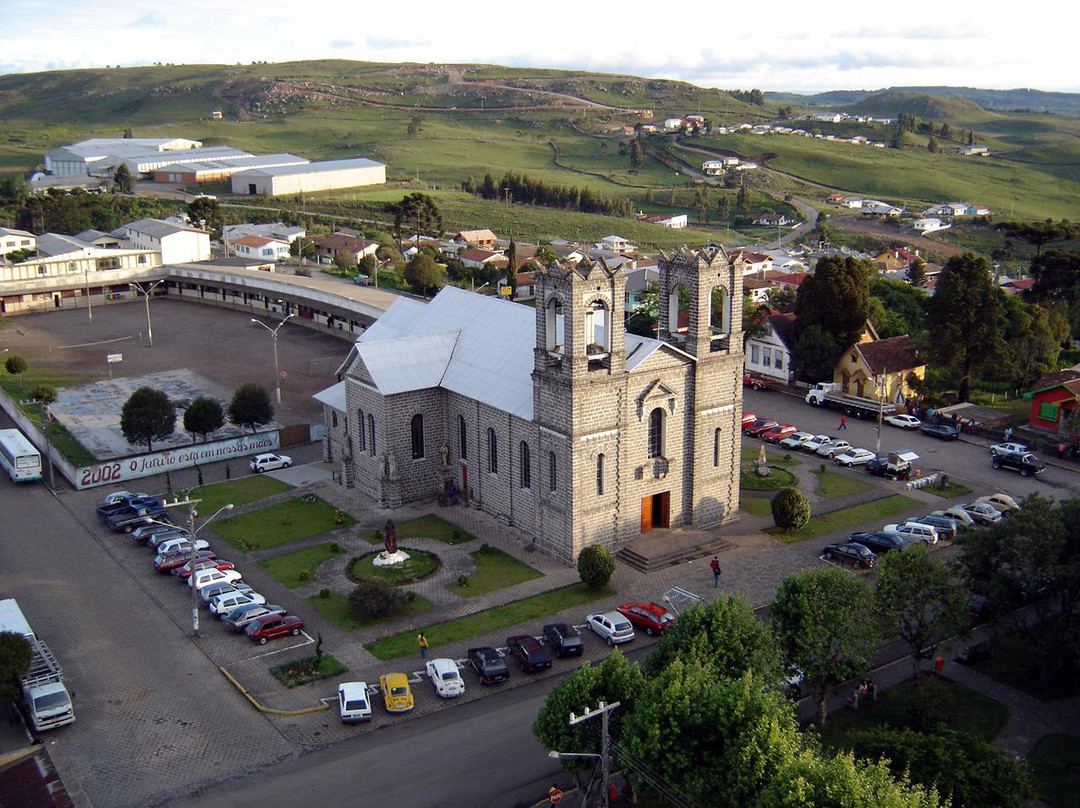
[914, 532]
[812, 444]
[354, 702]
[445, 677]
[225, 603]
[903, 421]
[1003, 502]
[854, 457]
[1009, 449]
[983, 512]
[611, 627]
[270, 462]
[797, 440]
[833, 448]
[181, 545]
[204, 577]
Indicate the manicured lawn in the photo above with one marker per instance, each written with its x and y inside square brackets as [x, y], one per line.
[494, 570]
[337, 609]
[519, 611]
[1015, 663]
[875, 511]
[1055, 768]
[775, 458]
[950, 491]
[834, 484]
[967, 711]
[779, 478]
[289, 568]
[310, 669]
[420, 565]
[238, 492]
[279, 524]
[426, 527]
[756, 506]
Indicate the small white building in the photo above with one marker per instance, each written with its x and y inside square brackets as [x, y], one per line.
[616, 244]
[262, 247]
[672, 124]
[179, 244]
[274, 230]
[12, 240]
[328, 175]
[929, 225]
[770, 354]
[713, 167]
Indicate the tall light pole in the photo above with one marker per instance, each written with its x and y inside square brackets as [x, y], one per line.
[146, 292]
[89, 305]
[193, 534]
[273, 332]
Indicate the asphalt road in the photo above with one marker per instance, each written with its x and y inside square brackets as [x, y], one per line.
[969, 462]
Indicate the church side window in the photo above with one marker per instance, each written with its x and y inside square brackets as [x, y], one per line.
[599, 475]
[553, 477]
[493, 451]
[656, 432]
[371, 434]
[360, 430]
[417, 436]
[526, 465]
[463, 438]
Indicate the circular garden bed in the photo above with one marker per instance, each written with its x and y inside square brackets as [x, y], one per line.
[777, 479]
[420, 565]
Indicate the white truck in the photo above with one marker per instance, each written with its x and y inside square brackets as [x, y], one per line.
[828, 394]
[45, 698]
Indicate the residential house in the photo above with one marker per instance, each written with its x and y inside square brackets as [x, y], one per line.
[772, 220]
[929, 225]
[484, 239]
[1054, 398]
[675, 221]
[786, 280]
[1015, 287]
[179, 244]
[756, 289]
[673, 124]
[974, 151]
[883, 210]
[275, 230]
[713, 167]
[477, 258]
[770, 354]
[754, 263]
[327, 247]
[261, 247]
[639, 276]
[616, 244]
[12, 240]
[896, 258]
[880, 368]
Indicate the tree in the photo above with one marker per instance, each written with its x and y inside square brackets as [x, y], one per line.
[512, 268]
[417, 214]
[916, 600]
[1039, 234]
[44, 394]
[595, 565]
[1032, 339]
[302, 248]
[820, 620]
[416, 127]
[723, 635]
[344, 259]
[946, 131]
[637, 155]
[205, 213]
[422, 274]
[1057, 276]
[250, 406]
[701, 202]
[723, 207]
[15, 656]
[904, 302]
[742, 200]
[374, 598]
[128, 134]
[203, 416]
[916, 274]
[753, 320]
[932, 145]
[147, 416]
[16, 366]
[790, 509]
[831, 308]
[965, 318]
[613, 680]
[122, 179]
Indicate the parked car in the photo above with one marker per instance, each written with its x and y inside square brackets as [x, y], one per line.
[832, 448]
[957, 513]
[210, 591]
[854, 457]
[227, 601]
[651, 617]
[120, 496]
[144, 534]
[1003, 502]
[940, 431]
[1009, 448]
[1026, 464]
[796, 440]
[127, 519]
[564, 640]
[183, 572]
[270, 462]
[913, 532]
[759, 426]
[884, 467]
[213, 576]
[242, 616]
[167, 562]
[167, 532]
[946, 526]
[241, 610]
[140, 502]
[850, 553]
[878, 541]
[611, 627]
[747, 419]
[272, 626]
[489, 665]
[811, 444]
[756, 382]
[445, 678]
[529, 652]
[354, 706]
[983, 513]
[903, 421]
[778, 433]
[397, 697]
[181, 544]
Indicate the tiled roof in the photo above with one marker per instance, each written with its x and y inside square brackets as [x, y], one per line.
[1056, 379]
[890, 355]
[783, 325]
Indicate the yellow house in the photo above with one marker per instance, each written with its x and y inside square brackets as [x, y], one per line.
[873, 362]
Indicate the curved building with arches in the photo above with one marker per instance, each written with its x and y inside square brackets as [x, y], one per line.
[556, 420]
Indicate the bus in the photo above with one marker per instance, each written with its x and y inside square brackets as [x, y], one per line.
[18, 456]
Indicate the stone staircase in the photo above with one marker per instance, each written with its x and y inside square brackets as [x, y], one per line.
[666, 548]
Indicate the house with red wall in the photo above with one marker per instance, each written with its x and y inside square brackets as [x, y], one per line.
[1054, 397]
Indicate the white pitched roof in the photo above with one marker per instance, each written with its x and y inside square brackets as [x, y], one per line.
[408, 363]
[333, 396]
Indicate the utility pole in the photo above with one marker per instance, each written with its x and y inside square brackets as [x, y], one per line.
[881, 406]
[605, 749]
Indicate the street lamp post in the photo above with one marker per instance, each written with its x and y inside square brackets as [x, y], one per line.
[273, 333]
[193, 534]
[89, 305]
[146, 292]
[602, 710]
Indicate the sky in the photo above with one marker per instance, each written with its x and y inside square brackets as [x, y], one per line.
[781, 45]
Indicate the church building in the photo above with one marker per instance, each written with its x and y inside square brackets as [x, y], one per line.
[556, 420]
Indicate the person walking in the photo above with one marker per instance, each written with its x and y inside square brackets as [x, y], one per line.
[714, 565]
[843, 422]
[421, 640]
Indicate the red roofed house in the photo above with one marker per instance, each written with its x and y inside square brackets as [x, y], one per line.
[755, 263]
[1017, 286]
[262, 247]
[1054, 397]
[788, 280]
[871, 361]
[329, 246]
[477, 258]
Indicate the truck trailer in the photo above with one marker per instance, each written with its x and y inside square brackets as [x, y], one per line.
[829, 394]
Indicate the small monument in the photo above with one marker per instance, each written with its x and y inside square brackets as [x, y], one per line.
[391, 556]
[761, 465]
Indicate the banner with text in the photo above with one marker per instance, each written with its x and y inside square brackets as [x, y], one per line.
[130, 468]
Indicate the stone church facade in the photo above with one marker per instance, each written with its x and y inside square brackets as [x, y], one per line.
[555, 420]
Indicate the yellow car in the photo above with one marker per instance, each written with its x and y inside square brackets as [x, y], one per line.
[396, 693]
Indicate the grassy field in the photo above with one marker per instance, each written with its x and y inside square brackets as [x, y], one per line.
[832, 484]
[1055, 768]
[426, 527]
[510, 614]
[494, 570]
[297, 569]
[336, 608]
[239, 492]
[874, 511]
[756, 506]
[280, 524]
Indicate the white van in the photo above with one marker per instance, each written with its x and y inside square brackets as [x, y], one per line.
[353, 702]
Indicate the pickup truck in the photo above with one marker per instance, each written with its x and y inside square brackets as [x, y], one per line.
[757, 382]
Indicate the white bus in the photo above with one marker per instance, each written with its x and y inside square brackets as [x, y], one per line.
[18, 456]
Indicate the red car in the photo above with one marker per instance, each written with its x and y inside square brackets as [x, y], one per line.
[778, 433]
[167, 563]
[652, 617]
[272, 626]
[759, 426]
[184, 572]
[747, 419]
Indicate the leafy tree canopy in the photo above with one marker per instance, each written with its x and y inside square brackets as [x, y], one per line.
[203, 416]
[422, 273]
[15, 655]
[148, 415]
[250, 406]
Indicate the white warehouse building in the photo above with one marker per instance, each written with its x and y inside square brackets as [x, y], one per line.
[90, 155]
[328, 175]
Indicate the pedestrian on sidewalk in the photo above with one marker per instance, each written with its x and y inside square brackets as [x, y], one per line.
[421, 640]
[714, 565]
[843, 422]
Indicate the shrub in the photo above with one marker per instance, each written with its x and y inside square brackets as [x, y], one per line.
[485, 548]
[335, 547]
[595, 565]
[339, 517]
[324, 592]
[373, 598]
[455, 537]
[463, 580]
[304, 575]
[790, 509]
[303, 272]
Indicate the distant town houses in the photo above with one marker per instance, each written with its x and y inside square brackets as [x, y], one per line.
[675, 221]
